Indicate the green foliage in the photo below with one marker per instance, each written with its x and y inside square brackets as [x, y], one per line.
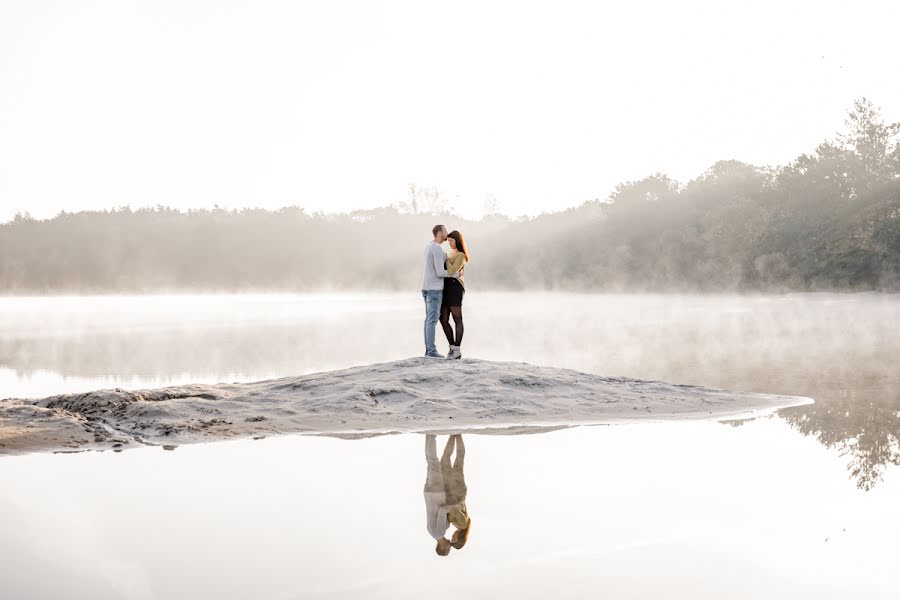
[827, 220]
[830, 220]
[162, 249]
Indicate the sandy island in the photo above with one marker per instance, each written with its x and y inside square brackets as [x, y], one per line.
[412, 395]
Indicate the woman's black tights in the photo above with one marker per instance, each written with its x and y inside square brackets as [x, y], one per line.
[456, 311]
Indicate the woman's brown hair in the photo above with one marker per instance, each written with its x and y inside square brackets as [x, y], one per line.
[460, 243]
[461, 536]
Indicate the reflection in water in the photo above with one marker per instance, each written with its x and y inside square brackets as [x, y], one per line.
[445, 494]
[270, 519]
[862, 423]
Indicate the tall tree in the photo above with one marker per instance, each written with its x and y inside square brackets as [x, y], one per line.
[874, 143]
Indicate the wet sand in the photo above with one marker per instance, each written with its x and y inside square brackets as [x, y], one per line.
[411, 395]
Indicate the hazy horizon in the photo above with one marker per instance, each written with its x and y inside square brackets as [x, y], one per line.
[672, 262]
[340, 106]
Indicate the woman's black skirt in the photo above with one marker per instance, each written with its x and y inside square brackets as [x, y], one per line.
[453, 292]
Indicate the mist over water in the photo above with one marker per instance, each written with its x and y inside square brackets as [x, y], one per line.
[202, 192]
[764, 343]
[839, 349]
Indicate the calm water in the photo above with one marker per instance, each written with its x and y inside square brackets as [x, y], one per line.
[801, 504]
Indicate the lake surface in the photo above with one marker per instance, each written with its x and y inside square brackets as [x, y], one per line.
[800, 504]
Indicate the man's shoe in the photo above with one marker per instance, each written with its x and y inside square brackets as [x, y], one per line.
[435, 355]
[455, 353]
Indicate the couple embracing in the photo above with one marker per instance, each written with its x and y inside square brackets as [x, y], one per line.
[445, 494]
[443, 289]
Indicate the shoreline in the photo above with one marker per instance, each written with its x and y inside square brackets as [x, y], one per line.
[415, 395]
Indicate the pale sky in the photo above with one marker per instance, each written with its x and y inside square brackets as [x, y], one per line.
[336, 105]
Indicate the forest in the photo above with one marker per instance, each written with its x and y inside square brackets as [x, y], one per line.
[828, 220]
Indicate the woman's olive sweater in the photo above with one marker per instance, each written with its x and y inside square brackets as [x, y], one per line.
[455, 262]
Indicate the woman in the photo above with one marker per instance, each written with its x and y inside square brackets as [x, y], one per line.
[454, 289]
[456, 490]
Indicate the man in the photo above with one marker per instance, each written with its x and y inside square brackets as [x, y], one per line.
[433, 286]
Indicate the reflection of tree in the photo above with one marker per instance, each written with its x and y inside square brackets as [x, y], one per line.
[838, 349]
[861, 421]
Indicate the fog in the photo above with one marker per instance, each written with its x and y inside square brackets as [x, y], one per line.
[829, 220]
[699, 194]
[340, 105]
[839, 349]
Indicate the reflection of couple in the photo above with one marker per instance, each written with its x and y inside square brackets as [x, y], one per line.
[443, 288]
[445, 494]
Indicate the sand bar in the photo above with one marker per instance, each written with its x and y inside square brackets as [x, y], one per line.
[411, 395]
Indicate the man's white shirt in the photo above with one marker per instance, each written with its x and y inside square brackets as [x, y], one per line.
[436, 513]
[434, 267]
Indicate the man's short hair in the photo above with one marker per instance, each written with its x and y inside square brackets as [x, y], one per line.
[436, 228]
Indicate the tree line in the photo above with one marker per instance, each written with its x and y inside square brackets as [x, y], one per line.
[828, 220]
